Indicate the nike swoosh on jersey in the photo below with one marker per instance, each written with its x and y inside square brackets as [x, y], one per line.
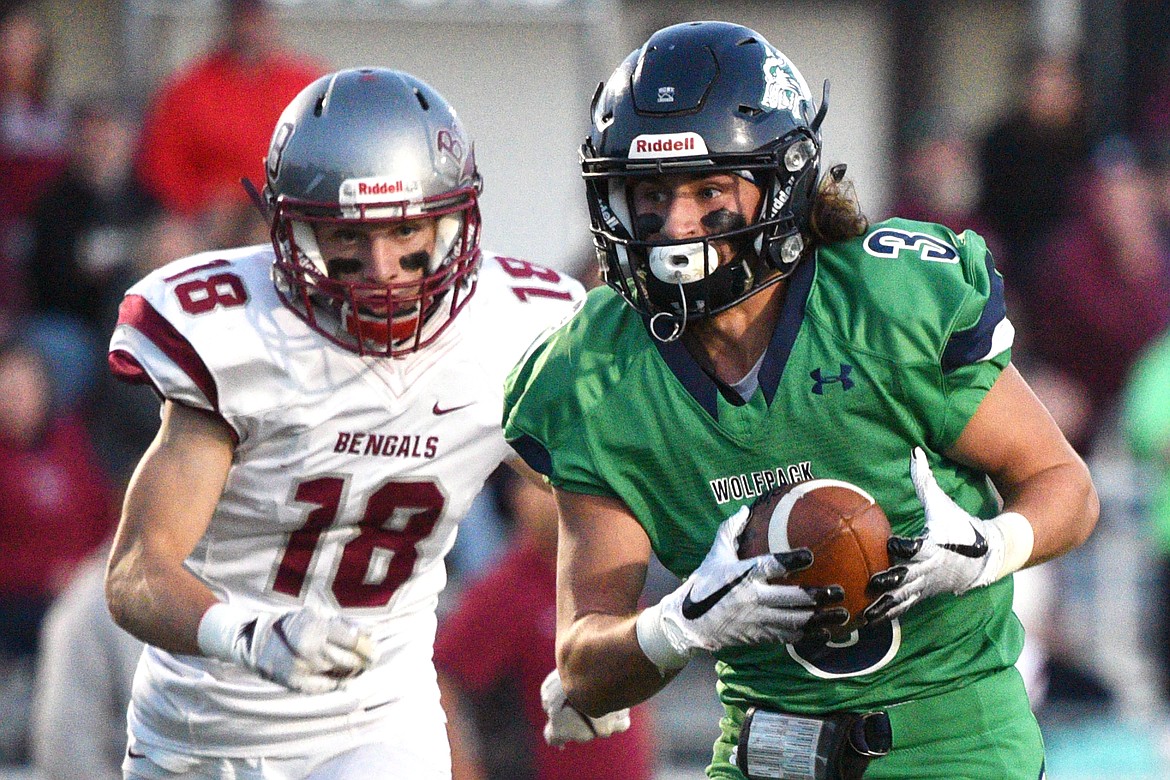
[693, 610]
[976, 550]
[439, 411]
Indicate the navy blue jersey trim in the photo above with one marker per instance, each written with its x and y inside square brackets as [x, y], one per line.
[969, 346]
[690, 374]
[705, 389]
[533, 453]
[791, 317]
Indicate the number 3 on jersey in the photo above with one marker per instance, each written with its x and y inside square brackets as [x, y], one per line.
[375, 562]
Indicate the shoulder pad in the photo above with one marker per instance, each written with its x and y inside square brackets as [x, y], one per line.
[915, 291]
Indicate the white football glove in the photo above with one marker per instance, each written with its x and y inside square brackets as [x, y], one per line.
[305, 650]
[727, 602]
[568, 724]
[955, 553]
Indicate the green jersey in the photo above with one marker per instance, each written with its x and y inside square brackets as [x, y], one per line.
[886, 341]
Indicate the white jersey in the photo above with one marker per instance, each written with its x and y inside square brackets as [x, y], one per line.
[349, 478]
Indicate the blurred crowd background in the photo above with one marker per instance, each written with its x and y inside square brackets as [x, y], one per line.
[126, 125]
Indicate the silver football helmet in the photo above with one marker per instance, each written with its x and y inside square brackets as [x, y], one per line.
[373, 145]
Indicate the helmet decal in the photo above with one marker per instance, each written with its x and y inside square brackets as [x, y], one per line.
[784, 87]
[448, 143]
[667, 145]
[374, 189]
[276, 150]
[779, 199]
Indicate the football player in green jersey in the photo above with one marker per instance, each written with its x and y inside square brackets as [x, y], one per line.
[755, 331]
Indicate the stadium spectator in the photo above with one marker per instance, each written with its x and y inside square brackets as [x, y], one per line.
[32, 127]
[1106, 291]
[497, 645]
[756, 331]
[124, 418]
[940, 181]
[939, 175]
[1028, 159]
[32, 144]
[1151, 86]
[57, 508]
[85, 669]
[332, 406]
[209, 125]
[87, 224]
[84, 229]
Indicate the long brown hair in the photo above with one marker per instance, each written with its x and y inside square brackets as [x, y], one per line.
[836, 214]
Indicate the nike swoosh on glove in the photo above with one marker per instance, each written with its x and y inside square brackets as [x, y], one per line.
[306, 650]
[727, 602]
[567, 724]
[955, 553]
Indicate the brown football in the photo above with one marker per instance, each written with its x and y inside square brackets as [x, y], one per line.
[842, 525]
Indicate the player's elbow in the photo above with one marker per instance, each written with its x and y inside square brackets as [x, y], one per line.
[579, 681]
[1076, 505]
[1090, 510]
[586, 698]
[115, 602]
[594, 687]
[119, 587]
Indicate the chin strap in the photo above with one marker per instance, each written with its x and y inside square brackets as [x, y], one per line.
[679, 324]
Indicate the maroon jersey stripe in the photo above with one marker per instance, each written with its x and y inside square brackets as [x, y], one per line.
[137, 312]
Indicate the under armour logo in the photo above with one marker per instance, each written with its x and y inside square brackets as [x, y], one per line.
[819, 380]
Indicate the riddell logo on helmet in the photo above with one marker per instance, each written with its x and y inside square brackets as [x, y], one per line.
[381, 188]
[367, 190]
[667, 145]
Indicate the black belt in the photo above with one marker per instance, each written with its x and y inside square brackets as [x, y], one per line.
[870, 734]
[839, 746]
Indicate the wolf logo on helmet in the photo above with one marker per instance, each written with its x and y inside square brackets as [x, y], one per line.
[784, 86]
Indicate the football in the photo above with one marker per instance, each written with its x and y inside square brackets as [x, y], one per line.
[842, 525]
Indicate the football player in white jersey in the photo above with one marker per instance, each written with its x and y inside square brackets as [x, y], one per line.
[331, 406]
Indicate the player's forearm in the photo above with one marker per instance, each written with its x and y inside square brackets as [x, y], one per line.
[602, 666]
[1061, 504]
[169, 505]
[157, 603]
